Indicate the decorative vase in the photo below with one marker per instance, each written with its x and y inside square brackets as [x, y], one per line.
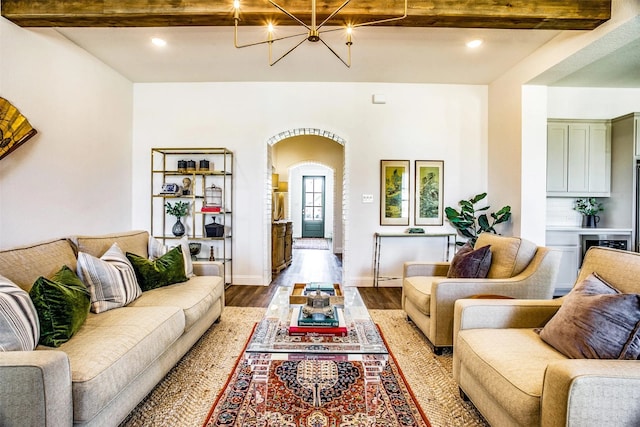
[178, 229]
[590, 221]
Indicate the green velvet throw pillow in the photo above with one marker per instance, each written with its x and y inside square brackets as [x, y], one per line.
[62, 303]
[166, 270]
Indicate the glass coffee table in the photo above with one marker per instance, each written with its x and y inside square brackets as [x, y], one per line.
[319, 360]
[271, 334]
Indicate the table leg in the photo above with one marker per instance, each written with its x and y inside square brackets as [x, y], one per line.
[376, 261]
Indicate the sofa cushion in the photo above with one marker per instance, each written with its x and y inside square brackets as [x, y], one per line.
[62, 303]
[113, 348]
[25, 264]
[596, 321]
[194, 297]
[470, 263]
[417, 289]
[512, 363]
[19, 326]
[135, 242]
[110, 279]
[157, 249]
[163, 271]
[509, 255]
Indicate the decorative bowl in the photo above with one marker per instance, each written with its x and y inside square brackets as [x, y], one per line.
[194, 248]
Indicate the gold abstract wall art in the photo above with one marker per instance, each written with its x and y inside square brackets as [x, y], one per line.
[15, 129]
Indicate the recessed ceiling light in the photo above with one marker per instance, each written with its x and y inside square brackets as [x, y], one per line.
[474, 43]
[158, 42]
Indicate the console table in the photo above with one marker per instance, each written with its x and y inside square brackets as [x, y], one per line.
[379, 237]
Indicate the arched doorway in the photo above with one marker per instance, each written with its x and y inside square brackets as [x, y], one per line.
[291, 150]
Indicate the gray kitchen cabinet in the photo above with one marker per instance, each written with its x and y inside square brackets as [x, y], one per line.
[578, 158]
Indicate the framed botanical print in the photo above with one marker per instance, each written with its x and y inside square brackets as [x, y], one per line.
[429, 187]
[394, 192]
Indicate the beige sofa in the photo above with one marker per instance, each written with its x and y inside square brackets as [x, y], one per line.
[118, 356]
[519, 269]
[514, 378]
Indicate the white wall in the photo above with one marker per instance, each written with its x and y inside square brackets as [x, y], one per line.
[419, 122]
[74, 176]
[592, 103]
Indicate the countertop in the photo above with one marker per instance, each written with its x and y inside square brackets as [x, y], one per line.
[582, 230]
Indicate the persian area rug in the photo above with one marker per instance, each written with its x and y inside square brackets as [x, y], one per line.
[326, 391]
[308, 243]
[184, 397]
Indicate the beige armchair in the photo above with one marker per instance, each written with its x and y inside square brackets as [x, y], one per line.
[514, 378]
[519, 269]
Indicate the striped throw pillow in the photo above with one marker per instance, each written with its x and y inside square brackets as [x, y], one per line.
[19, 325]
[111, 279]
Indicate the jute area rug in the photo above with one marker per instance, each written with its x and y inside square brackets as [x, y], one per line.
[187, 393]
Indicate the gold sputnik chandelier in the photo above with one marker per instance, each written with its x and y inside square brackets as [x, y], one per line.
[313, 31]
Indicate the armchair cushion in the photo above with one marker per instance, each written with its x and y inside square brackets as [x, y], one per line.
[470, 263]
[509, 255]
[596, 321]
[417, 289]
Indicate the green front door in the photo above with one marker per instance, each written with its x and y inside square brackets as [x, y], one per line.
[313, 210]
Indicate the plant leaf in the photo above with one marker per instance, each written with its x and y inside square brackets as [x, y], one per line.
[478, 197]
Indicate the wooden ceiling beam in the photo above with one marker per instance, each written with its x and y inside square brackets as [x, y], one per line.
[514, 14]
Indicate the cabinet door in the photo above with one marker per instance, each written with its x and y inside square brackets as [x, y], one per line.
[557, 150]
[568, 272]
[599, 159]
[578, 165]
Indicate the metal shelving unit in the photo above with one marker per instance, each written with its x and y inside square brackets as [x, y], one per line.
[167, 167]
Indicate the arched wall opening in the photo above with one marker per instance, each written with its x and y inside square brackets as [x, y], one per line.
[289, 154]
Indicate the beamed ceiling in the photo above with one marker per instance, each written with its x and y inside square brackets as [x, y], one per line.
[513, 14]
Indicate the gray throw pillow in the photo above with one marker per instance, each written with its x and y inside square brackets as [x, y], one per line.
[469, 263]
[596, 321]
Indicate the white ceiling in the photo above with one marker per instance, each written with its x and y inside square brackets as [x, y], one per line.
[381, 54]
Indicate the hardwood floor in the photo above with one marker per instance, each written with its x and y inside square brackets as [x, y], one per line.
[310, 265]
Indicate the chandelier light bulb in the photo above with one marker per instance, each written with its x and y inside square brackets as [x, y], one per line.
[236, 4]
[270, 27]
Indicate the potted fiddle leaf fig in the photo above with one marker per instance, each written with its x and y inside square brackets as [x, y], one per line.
[469, 224]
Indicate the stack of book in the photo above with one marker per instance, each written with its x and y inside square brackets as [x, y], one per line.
[318, 323]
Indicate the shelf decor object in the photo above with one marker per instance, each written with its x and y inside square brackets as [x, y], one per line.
[15, 129]
[206, 190]
[394, 192]
[429, 192]
[313, 31]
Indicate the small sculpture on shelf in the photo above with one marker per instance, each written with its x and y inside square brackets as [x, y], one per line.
[186, 186]
[318, 302]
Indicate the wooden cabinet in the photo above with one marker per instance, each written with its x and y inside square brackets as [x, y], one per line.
[288, 243]
[578, 158]
[196, 176]
[281, 245]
